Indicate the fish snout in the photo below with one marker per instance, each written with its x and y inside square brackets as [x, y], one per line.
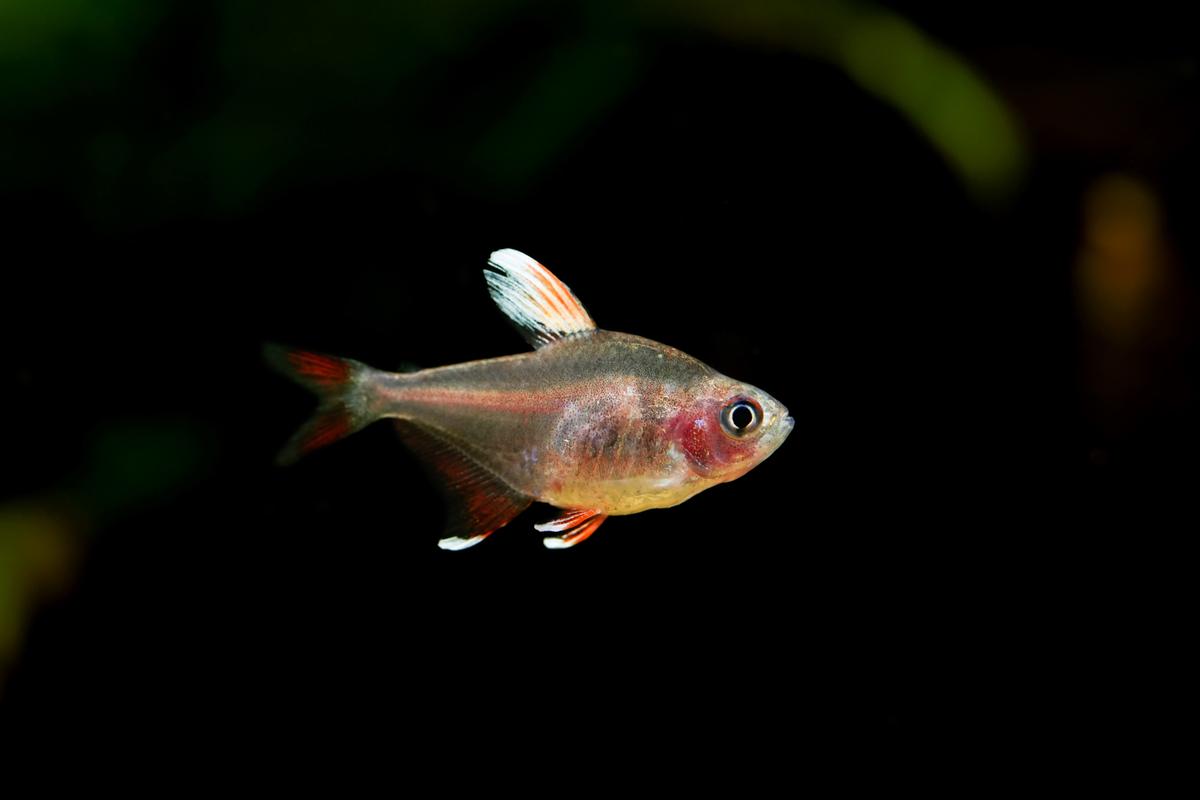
[781, 425]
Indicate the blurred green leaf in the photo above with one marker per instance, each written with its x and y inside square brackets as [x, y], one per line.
[133, 462]
[941, 95]
[50, 49]
[577, 85]
[954, 108]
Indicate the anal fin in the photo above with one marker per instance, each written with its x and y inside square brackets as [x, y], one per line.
[573, 527]
[477, 501]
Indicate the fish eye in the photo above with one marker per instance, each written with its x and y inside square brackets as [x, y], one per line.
[741, 417]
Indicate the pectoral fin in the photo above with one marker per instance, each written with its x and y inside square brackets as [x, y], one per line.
[575, 526]
[477, 501]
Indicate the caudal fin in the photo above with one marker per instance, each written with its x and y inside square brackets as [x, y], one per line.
[340, 384]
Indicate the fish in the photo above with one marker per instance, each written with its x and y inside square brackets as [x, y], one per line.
[595, 423]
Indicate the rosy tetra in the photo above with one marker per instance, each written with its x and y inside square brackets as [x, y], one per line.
[593, 422]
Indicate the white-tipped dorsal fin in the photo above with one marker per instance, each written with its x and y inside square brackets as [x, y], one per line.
[539, 304]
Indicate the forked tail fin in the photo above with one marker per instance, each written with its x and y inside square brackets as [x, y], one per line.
[341, 385]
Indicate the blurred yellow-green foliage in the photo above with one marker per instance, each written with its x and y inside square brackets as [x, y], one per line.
[128, 465]
[286, 71]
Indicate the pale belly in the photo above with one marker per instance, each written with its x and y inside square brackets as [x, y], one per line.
[620, 488]
[622, 495]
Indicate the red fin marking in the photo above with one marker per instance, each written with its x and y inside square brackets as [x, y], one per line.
[325, 370]
[584, 531]
[549, 291]
[321, 373]
[328, 425]
[566, 300]
[477, 501]
[325, 429]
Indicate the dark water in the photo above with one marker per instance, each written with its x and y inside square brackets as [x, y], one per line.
[935, 565]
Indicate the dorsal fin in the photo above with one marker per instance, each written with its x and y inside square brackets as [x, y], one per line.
[539, 304]
[477, 501]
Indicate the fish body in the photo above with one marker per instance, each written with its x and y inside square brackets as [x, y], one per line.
[594, 422]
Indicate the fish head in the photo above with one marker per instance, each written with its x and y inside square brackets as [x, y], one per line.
[726, 428]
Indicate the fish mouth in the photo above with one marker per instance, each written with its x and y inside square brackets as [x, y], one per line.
[783, 428]
[776, 433]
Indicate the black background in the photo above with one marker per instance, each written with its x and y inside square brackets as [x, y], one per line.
[936, 566]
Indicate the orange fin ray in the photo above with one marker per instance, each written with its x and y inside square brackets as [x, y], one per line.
[542, 307]
[573, 527]
[477, 501]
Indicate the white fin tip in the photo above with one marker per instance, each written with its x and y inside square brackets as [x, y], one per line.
[459, 543]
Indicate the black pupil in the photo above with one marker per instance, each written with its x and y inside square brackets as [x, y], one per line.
[741, 416]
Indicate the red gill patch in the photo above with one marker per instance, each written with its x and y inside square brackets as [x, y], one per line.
[699, 434]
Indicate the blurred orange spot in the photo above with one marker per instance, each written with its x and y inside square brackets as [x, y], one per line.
[39, 549]
[1122, 263]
